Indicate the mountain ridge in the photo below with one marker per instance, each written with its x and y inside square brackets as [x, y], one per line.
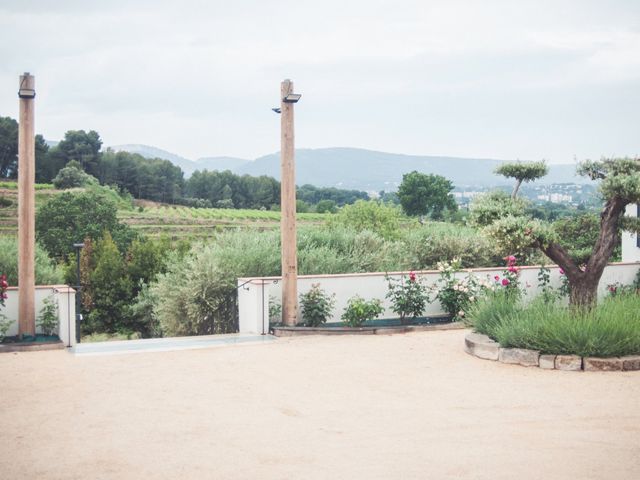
[357, 168]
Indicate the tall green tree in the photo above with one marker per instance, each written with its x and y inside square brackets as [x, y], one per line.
[426, 194]
[522, 172]
[111, 288]
[8, 147]
[84, 147]
[70, 217]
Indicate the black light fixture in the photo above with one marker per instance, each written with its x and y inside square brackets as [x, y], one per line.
[277, 109]
[26, 92]
[292, 98]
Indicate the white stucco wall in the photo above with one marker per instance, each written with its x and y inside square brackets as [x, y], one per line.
[65, 297]
[630, 248]
[254, 312]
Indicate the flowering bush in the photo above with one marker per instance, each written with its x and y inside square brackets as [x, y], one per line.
[408, 296]
[456, 295]
[3, 289]
[618, 288]
[510, 279]
[4, 323]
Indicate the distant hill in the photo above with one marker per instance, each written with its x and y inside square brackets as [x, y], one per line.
[221, 163]
[356, 168]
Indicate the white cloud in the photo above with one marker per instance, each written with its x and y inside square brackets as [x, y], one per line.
[198, 78]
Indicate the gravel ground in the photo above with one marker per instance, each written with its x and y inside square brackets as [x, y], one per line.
[360, 407]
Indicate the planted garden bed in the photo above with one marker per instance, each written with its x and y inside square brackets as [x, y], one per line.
[31, 343]
[372, 327]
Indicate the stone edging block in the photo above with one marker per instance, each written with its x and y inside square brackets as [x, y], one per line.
[593, 364]
[484, 347]
[519, 356]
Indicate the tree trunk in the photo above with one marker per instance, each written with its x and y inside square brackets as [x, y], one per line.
[516, 188]
[584, 292]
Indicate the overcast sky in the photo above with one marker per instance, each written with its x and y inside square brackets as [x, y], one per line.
[495, 79]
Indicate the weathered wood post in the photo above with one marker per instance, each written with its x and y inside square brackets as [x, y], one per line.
[288, 206]
[26, 207]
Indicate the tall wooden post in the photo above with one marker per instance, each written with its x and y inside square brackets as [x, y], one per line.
[26, 207]
[288, 210]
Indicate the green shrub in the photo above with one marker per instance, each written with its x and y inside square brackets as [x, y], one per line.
[610, 329]
[489, 311]
[73, 177]
[434, 242]
[5, 324]
[47, 272]
[491, 206]
[5, 202]
[48, 317]
[316, 306]
[275, 310]
[371, 215]
[359, 310]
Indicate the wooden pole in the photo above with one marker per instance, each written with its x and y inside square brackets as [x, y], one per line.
[288, 210]
[26, 208]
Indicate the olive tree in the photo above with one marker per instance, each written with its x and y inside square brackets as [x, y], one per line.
[619, 186]
[522, 172]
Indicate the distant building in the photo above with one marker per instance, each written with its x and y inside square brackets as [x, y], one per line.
[555, 198]
[631, 241]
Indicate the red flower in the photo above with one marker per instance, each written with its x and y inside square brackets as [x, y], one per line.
[505, 282]
[412, 276]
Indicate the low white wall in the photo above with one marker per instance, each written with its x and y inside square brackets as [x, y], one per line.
[254, 313]
[66, 301]
[630, 248]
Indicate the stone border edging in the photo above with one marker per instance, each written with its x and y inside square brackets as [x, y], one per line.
[301, 331]
[484, 347]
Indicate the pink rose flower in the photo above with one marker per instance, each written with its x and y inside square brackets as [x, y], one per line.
[497, 278]
[412, 276]
[505, 282]
[561, 271]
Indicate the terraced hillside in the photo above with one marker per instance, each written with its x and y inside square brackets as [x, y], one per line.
[9, 204]
[176, 221]
[155, 219]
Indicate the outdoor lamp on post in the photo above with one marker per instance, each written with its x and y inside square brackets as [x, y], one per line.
[78, 247]
[288, 204]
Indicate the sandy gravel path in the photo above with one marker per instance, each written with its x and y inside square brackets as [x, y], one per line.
[392, 407]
